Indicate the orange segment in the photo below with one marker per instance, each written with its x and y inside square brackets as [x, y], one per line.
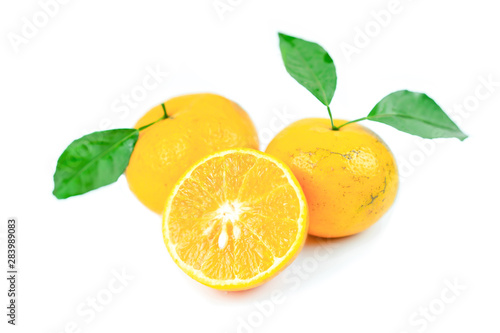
[235, 219]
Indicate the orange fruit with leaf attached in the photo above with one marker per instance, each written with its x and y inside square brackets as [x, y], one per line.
[349, 176]
[235, 219]
[197, 125]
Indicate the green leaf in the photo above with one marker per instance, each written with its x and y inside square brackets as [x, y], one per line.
[417, 114]
[93, 161]
[310, 65]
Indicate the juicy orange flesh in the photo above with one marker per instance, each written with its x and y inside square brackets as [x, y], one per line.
[234, 217]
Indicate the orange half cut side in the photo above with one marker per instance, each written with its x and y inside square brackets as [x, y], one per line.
[235, 219]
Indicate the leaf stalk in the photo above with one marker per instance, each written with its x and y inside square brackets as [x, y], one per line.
[165, 116]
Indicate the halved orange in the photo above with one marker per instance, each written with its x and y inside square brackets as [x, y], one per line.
[235, 219]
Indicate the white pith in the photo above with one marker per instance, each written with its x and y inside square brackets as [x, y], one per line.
[229, 212]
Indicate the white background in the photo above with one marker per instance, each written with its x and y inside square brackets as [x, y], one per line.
[64, 81]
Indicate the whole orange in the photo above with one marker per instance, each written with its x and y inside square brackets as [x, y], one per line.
[197, 125]
[349, 176]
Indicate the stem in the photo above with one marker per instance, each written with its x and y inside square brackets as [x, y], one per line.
[165, 116]
[352, 121]
[334, 128]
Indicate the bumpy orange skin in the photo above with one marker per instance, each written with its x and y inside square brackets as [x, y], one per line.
[198, 125]
[349, 176]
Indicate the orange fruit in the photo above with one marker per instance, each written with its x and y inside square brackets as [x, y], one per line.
[349, 176]
[198, 125]
[235, 219]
